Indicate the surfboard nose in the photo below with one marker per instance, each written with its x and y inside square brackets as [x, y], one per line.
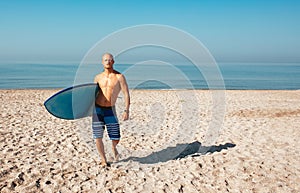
[73, 102]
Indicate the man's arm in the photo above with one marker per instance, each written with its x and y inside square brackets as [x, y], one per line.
[125, 90]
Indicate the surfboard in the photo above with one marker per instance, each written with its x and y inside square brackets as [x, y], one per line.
[73, 102]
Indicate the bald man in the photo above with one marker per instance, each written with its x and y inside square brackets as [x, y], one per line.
[111, 83]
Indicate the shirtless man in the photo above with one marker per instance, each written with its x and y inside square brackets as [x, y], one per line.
[111, 83]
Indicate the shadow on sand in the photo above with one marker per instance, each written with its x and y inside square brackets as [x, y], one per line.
[179, 151]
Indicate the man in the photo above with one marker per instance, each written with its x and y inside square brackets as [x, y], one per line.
[111, 83]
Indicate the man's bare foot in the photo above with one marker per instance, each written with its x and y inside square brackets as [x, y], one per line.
[103, 164]
[117, 157]
[116, 154]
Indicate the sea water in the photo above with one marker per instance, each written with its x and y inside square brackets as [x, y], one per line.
[244, 76]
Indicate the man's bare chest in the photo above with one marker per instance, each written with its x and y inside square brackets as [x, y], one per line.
[111, 82]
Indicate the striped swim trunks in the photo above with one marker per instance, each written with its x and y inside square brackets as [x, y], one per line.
[105, 117]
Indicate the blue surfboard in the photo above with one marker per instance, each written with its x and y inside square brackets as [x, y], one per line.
[74, 102]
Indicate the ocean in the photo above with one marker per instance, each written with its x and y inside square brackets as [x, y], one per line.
[231, 76]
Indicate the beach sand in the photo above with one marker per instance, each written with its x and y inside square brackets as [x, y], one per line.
[172, 143]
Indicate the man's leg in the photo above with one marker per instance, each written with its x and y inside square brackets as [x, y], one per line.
[113, 130]
[100, 148]
[98, 126]
[114, 149]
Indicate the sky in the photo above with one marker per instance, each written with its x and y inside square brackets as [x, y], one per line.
[233, 31]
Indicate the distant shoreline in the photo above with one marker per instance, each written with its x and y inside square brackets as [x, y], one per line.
[232, 77]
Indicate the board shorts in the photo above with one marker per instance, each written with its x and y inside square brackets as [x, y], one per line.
[105, 117]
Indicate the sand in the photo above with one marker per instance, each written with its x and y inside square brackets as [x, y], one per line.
[172, 143]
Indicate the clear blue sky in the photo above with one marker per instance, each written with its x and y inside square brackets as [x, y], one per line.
[233, 31]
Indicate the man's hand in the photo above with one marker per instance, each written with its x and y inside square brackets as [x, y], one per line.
[125, 116]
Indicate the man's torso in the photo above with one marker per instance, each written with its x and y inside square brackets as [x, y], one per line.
[110, 88]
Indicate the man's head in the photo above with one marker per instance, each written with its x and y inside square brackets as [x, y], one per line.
[107, 60]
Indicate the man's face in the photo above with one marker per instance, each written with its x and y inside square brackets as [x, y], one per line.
[107, 61]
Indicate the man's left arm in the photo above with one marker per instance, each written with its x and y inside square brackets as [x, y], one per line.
[125, 90]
